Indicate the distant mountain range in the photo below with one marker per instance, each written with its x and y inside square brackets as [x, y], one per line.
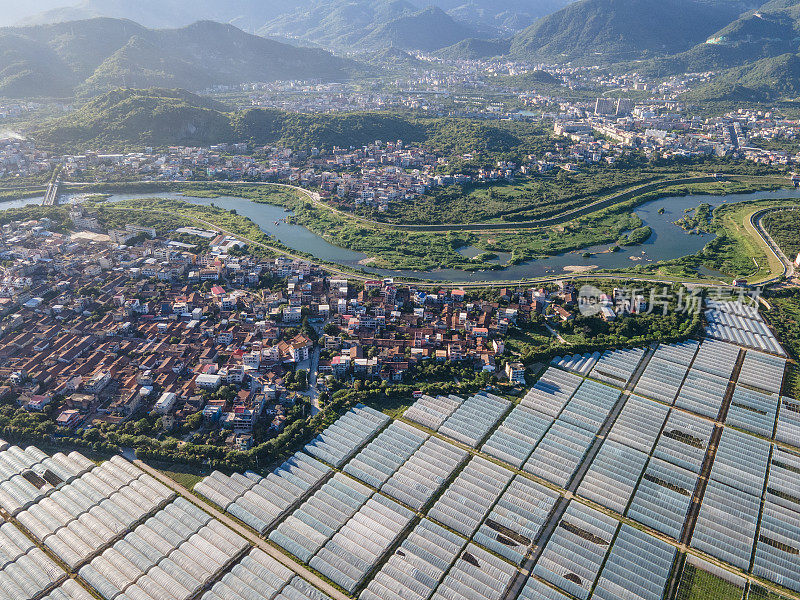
[767, 32]
[364, 24]
[754, 47]
[91, 56]
[489, 17]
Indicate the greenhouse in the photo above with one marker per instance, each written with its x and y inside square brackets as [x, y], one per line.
[471, 421]
[575, 552]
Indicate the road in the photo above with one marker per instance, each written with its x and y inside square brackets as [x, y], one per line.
[313, 372]
[245, 533]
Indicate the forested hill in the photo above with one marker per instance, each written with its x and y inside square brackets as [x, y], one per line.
[95, 55]
[132, 119]
[616, 30]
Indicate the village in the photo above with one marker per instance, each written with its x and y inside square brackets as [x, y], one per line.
[103, 326]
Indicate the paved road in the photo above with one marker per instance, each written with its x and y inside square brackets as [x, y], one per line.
[246, 533]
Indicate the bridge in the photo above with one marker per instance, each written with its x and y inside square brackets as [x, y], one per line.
[51, 196]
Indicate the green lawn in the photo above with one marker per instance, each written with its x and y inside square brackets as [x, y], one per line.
[185, 476]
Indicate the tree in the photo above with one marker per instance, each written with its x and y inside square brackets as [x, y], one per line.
[301, 380]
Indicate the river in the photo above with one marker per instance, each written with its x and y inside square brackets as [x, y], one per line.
[667, 242]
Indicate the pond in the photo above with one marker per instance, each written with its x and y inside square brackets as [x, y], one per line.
[667, 242]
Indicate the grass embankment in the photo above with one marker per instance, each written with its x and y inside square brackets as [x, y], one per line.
[748, 243]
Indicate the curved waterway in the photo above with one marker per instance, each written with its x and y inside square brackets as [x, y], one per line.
[667, 242]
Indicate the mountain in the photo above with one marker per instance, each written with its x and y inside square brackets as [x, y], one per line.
[348, 25]
[770, 31]
[491, 17]
[393, 58]
[499, 19]
[605, 31]
[135, 118]
[127, 119]
[427, 30]
[473, 48]
[765, 80]
[340, 24]
[99, 54]
[14, 12]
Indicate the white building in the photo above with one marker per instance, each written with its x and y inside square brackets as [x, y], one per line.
[165, 403]
[208, 382]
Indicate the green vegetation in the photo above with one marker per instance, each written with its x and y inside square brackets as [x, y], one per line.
[603, 227]
[133, 118]
[784, 227]
[765, 80]
[391, 248]
[768, 32]
[530, 199]
[423, 250]
[698, 220]
[530, 338]
[58, 214]
[187, 477]
[548, 196]
[758, 592]
[474, 49]
[636, 237]
[592, 31]
[166, 215]
[368, 25]
[429, 29]
[699, 584]
[532, 342]
[785, 317]
[401, 249]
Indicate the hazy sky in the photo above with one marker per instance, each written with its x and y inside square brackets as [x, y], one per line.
[12, 11]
